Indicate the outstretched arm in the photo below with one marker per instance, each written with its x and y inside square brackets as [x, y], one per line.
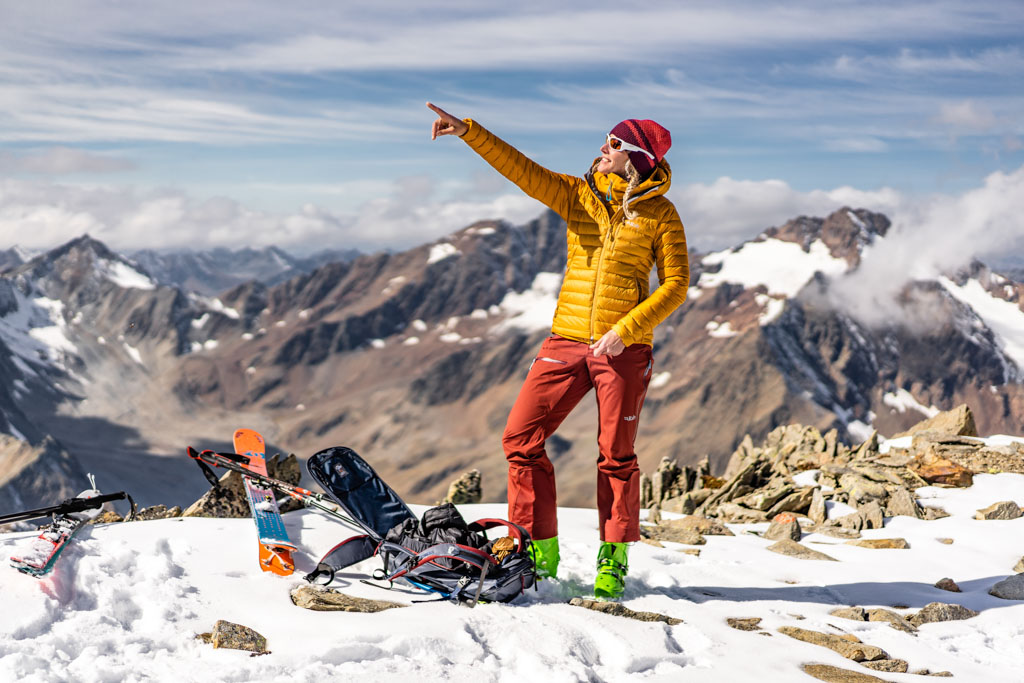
[551, 189]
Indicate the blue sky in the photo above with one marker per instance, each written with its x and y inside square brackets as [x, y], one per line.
[194, 124]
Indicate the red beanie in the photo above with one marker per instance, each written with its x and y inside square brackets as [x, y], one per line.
[646, 134]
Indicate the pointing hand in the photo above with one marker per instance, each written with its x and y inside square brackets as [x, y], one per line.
[446, 124]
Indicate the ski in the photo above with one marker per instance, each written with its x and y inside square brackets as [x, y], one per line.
[236, 463]
[39, 558]
[275, 548]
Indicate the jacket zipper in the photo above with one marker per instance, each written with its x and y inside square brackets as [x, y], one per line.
[597, 275]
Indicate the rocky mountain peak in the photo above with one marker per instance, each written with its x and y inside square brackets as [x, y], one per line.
[845, 232]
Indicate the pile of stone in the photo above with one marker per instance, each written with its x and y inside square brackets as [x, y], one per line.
[760, 482]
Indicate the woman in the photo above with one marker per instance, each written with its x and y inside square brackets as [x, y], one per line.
[620, 225]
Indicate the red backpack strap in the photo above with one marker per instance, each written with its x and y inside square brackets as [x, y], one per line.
[521, 536]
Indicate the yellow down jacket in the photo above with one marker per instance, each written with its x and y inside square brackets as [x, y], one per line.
[606, 284]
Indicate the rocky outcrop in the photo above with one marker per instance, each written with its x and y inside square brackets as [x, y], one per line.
[323, 599]
[620, 610]
[235, 637]
[228, 498]
[466, 489]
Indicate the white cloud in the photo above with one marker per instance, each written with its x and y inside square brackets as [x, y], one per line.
[38, 215]
[61, 160]
[967, 116]
[727, 211]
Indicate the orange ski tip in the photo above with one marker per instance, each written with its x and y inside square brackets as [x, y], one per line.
[276, 560]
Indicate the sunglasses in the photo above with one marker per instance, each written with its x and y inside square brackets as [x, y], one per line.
[620, 145]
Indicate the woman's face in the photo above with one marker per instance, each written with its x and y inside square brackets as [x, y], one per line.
[612, 161]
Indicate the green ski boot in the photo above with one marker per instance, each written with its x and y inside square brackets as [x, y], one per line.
[545, 557]
[611, 571]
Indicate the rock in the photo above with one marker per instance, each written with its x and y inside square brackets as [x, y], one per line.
[817, 510]
[937, 470]
[896, 621]
[939, 611]
[227, 499]
[836, 532]
[854, 613]
[1010, 588]
[646, 491]
[784, 526]
[931, 513]
[834, 674]
[852, 521]
[871, 513]
[862, 489]
[619, 610]
[707, 527]
[959, 421]
[288, 471]
[798, 501]
[690, 551]
[654, 514]
[651, 541]
[945, 541]
[1006, 509]
[801, 552]
[881, 543]
[106, 517]
[1019, 567]
[668, 481]
[948, 584]
[158, 512]
[764, 499]
[896, 666]
[466, 490]
[857, 651]
[236, 637]
[687, 503]
[323, 599]
[675, 534]
[902, 502]
[734, 513]
[744, 623]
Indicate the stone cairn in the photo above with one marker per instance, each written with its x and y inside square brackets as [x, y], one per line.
[758, 483]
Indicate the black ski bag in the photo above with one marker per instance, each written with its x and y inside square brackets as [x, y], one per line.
[440, 553]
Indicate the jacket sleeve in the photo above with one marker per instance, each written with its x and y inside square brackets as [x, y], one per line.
[673, 265]
[549, 188]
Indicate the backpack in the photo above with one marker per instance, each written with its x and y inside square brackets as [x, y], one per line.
[439, 554]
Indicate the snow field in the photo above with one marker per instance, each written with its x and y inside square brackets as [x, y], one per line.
[126, 600]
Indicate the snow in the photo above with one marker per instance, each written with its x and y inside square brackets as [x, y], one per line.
[902, 400]
[441, 251]
[531, 310]
[410, 341]
[781, 267]
[721, 330]
[36, 330]
[1003, 317]
[660, 379]
[133, 352]
[773, 308]
[126, 600]
[377, 343]
[123, 275]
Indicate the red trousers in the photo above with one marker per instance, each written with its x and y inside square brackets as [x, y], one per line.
[561, 374]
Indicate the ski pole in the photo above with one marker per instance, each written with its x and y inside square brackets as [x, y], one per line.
[68, 506]
[236, 463]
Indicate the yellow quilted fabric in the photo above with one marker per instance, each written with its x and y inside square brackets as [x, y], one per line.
[609, 255]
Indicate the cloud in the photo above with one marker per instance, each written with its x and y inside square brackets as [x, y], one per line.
[37, 215]
[966, 116]
[61, 160]
[726, 212]
[932, 236]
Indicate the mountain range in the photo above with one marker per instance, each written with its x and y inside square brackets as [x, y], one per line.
[414, 358]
